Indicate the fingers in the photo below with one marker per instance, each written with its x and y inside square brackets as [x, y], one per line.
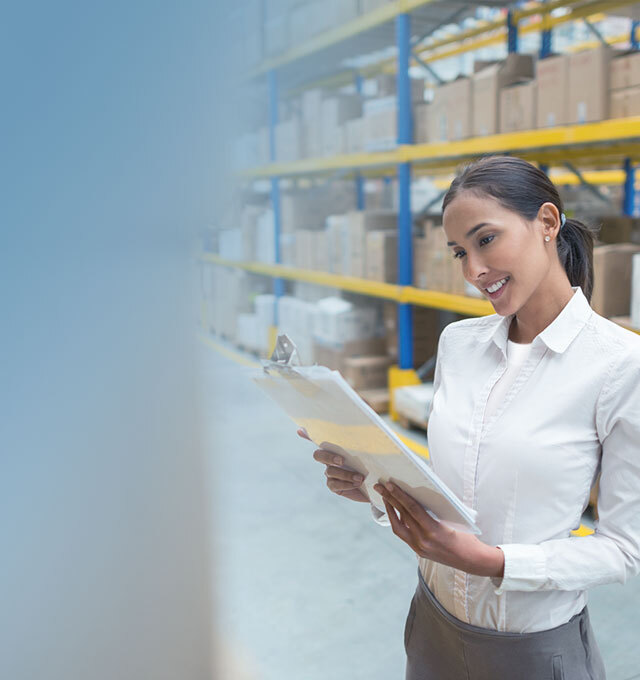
[410, 509]
[344, 475]
[328, 458]
[398, 528]
[303, 433]
[338, 485]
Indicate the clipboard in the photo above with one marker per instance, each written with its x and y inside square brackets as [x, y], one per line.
[335, 417]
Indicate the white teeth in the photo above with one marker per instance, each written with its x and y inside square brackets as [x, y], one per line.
[497, 286]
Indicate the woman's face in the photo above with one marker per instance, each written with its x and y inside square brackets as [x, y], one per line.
[495, 245]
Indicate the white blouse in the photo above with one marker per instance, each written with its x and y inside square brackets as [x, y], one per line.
[573, 409]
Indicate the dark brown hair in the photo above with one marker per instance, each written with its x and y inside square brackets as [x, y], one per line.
[522, 188]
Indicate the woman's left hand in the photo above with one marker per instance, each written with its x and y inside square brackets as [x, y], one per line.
[434, 540]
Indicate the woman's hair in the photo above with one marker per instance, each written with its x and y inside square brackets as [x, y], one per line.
[522, 188]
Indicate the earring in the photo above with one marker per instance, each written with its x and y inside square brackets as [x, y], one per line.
[547, 238]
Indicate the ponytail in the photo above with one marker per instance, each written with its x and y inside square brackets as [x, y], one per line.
[575, 249]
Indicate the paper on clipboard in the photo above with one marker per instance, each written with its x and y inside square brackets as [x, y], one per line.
[337, 419]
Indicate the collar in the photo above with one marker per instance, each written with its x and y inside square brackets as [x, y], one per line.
[557, 336]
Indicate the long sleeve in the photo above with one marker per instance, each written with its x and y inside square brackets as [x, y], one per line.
[379, 516]
[612, 553]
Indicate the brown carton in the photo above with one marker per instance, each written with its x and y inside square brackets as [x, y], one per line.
[625, 103]
[617, 228]
[434, 267]
[452, 109]
[421, 123]
[518, 107]
[333, 356]
[359, 223]
[426, 331]
[625, 70]
[382, 256]
[589, 73]
[553, 91]
[367, 372]
[612, 266]
[488, 81]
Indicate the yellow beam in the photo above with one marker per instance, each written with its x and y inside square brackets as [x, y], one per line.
[408, 294]
[590, 140]
[339, 34]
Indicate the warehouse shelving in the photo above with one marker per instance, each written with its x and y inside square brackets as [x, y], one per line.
[590, 145]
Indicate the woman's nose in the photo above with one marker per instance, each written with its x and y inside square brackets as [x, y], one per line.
[475, 269]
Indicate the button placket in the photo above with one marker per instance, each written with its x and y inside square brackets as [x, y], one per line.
[461, 578]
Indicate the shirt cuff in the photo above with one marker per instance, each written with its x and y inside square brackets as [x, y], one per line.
[525, 568]
[380, 517]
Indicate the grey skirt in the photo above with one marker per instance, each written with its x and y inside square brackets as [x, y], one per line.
[441, 647]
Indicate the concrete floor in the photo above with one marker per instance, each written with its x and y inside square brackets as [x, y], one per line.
[308, 586]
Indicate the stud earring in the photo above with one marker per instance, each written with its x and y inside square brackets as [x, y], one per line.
[547, 238]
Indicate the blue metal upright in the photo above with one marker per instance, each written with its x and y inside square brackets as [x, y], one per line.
[405, 136]
[360, 203]
[512, 33]
[278, 284]
[629, 201]
[634, 35]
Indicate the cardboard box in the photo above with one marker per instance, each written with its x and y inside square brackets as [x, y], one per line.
[625, 70]
[618, 229]
[635, 291]
[380, 120]
[518, 107]
[382, 256]
[377, 398]
[386, 86]
[359, 223]
[368, 372]
[337, 238]
[612, 266]
[289, 140]
[338, 321]
[553, 91]
[354, 135]
[625, 103]
[589, 73]
[421, 123]
[319, 242]
[303, 249]
[452, 111]
[426, 331]
[333, 356]
[434, 267]
[488, 81]
[337, 110]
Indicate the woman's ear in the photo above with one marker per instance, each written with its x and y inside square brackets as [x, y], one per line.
[549, 219]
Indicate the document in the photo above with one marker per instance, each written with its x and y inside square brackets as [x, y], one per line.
[338, 420]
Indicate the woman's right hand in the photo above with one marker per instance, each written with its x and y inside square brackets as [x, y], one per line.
[340, 479]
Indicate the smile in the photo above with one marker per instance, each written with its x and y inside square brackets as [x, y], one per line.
[495, 289]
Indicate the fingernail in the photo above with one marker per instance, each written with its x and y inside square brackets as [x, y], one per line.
[337, 460]
[389, 486]
[358, 478]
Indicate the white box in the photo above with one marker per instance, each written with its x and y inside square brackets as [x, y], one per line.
[337, 321]
[230, 244]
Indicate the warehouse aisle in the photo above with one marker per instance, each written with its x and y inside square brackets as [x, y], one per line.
[308, 585]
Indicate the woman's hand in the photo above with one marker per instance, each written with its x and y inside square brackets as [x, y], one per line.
[431, 539]
[340, 480]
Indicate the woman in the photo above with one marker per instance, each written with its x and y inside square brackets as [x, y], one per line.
[530, 404]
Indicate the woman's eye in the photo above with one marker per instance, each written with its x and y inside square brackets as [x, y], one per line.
[459, 254]
[488, 239]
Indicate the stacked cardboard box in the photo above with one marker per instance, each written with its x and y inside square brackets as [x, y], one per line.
[289, 137]
[619, 229]
[434, 267]
[382, 256]
[426, 331]
[337, 230]
[333, 355]
[553, 86]
[421, 112]
[295, 318]
[359, 224]
[354, 133]
[380, 124]
[589, 73]
[625, 85]
[450, 114]
[337, 321]
[311, 111]
[518, 107]
[612, 278]
[336, 111]
[489, 84]
[367, 372]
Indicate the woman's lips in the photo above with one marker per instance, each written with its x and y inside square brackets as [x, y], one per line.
[498, 293]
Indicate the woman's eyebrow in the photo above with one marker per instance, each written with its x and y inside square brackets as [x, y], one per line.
[469, 233]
